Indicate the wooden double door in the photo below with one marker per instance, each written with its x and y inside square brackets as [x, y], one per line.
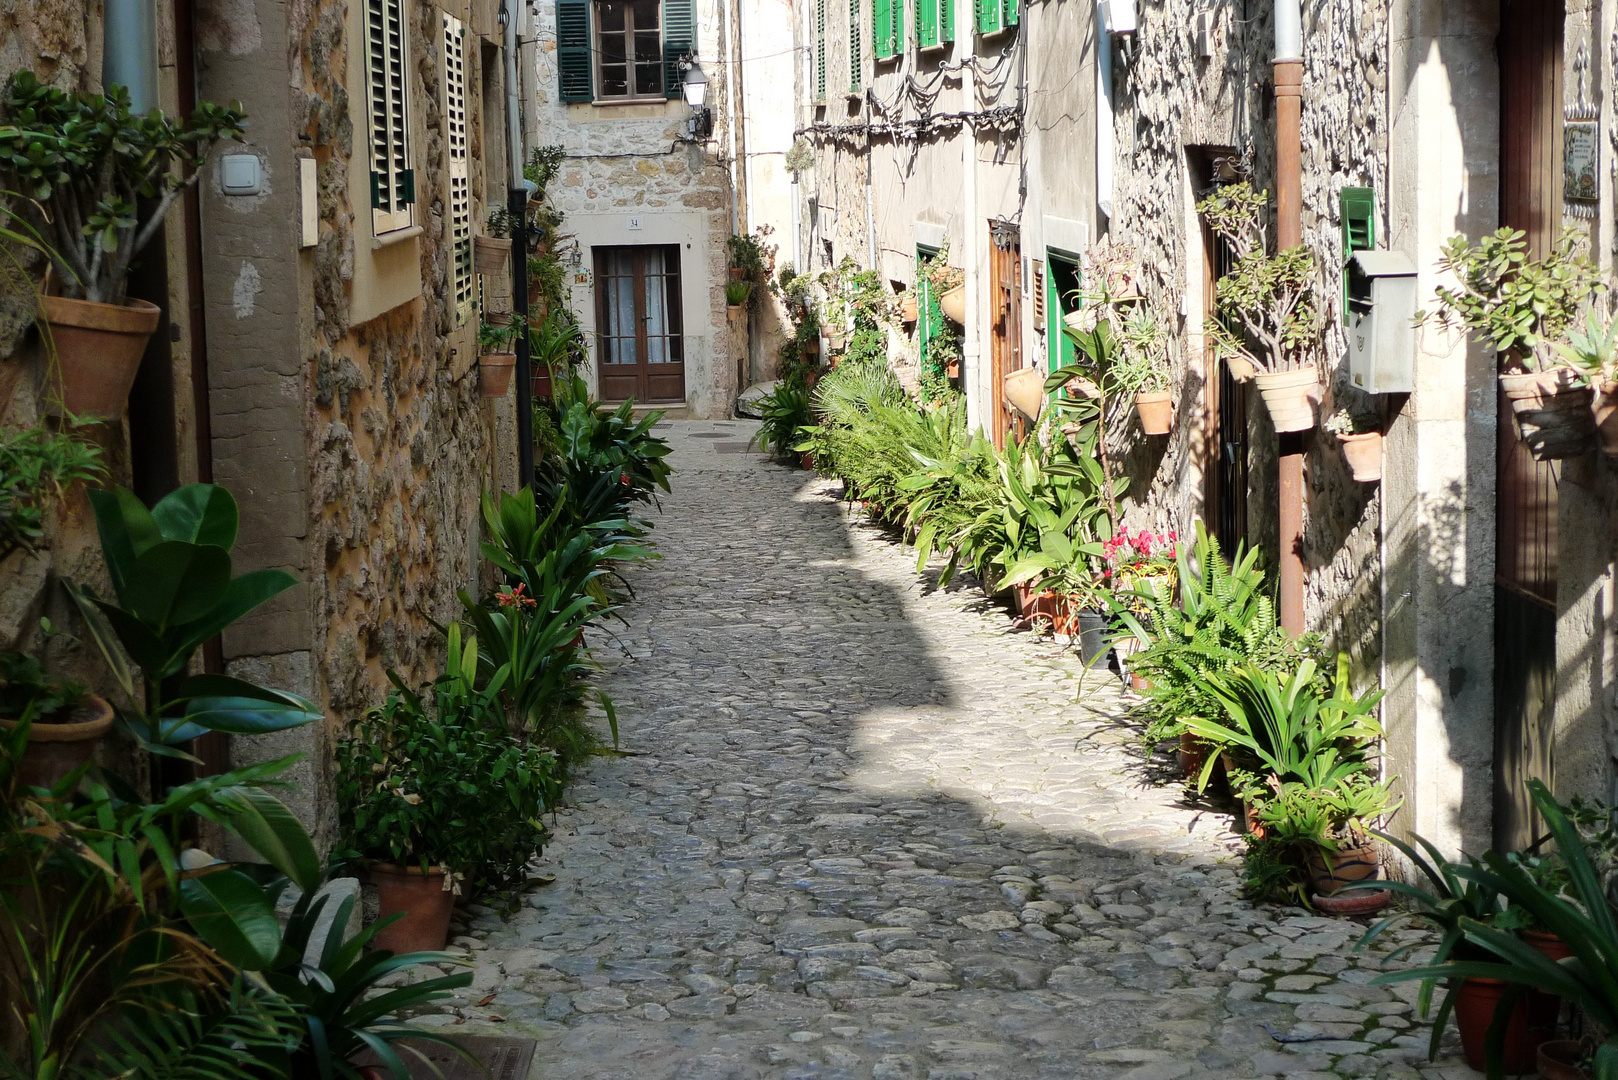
[1005, 327]
[640, 323]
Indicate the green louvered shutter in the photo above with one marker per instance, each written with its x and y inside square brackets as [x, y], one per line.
[896, 27]
[881, 28]
[820, 50]
[1008, 13]
[927, 24]
[946, 20]
[989, 15]
[573, 50]
[679, 39]
[855, 58]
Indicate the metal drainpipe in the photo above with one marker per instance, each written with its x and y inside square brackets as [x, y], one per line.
[517, 204]
[130, 53]
[1289, 234]
[977, 403]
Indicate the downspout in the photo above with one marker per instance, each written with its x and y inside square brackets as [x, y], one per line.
[130, 52]
[1104, 121]
[1289, 234]
[870, 186]
[517, 205]
[971, 352]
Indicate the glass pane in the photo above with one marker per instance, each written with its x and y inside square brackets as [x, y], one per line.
[649, 78]
[612, 49]
[614, 80]
[648, 46]
[647, 14]
[612, 15]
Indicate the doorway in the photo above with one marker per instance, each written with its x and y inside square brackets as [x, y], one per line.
[639, 321]
[1224, 473]
[1005, 323]
[1525, 499]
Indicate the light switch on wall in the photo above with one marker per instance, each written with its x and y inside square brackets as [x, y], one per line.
[241, 174]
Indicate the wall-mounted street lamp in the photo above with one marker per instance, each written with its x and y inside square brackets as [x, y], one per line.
[695, 88]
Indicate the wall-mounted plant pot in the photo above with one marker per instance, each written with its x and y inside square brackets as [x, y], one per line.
[1241, 368]
[1156, 412]
[909, 310]
[1025, 390]
[98, 349]
[491, 254]
[1553, 411]
[494, 373]
[1290, 397]
[952, 369]
[1364, 455]
[953, 304]
[426, 905]
[55, 750]
[735, 312]
[1605, 410]
[1330, 871]
[737, 273]
[812, 347]
[835, 342]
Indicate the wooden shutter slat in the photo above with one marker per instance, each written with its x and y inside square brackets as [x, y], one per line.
[455, 151]
[576, 82]
[855, 59]
[946, 20]
[926, 24]
[820, 49]
[679, 39]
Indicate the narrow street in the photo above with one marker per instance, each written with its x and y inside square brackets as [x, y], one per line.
[864, 828]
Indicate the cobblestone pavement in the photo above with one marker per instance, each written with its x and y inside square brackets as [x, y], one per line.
[868, 830]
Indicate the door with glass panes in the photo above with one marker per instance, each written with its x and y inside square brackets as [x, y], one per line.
[638, 317]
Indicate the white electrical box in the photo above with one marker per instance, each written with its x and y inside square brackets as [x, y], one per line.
[1381, 319]
[1118, 16]
[241, 174]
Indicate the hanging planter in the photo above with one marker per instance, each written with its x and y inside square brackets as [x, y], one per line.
[835, 340]
[491, 254]
[1156, 412]
[952, 369]
[98, 350]
[494, 373]
[1025, 390]
[734, 312]
[1364, 455]
[1289, 395]
[1553, 412]
[909, 309]
[953, 304]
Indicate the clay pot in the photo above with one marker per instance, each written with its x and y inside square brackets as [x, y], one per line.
[1038, 605]
[1331, 870]
[1289, 395]
[1025, 390]
[1353, 902]
[806, 460]
[1475, 1001]
[1559, 1060]
[1156, 412]
[98, 350]
[735, 312]
[55, 750]
[835, 341]
[1364, 455]
[491, 254]
[494, 373]
[1548, 945]
[1193, 754]
[1553, 412]
[953, 304]
[422, 898]
[952, 369]
[1605, 410]
[909, 309]
[1241, 369]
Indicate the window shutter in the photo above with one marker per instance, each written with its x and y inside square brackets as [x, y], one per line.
[455, 151]
[820, 50]
[880, 23]
[392, 179]
[1008, 13]
[855, 60]
[577, 81]
[946, 20]
[927, 24]
[679, 39]
[897, 27]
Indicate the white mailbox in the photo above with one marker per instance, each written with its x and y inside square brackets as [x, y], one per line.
[1381, 322]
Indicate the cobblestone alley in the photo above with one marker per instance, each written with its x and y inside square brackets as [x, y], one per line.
[866, 829]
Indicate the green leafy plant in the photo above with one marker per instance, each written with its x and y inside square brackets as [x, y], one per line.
[107, 175]
[498, 337]
[1273, 299]
[1143, 365]
[26, 692]
[36, 464]
[1513, 304]
[1345, 422]
[747, 254]
[171, 576]
[501, 223]
[556, 344]
[738, 293]
[783, 412]
[543, 163]
[1591, 348]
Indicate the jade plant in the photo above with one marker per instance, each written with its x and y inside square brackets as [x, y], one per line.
[104, 176]
[1267, 304]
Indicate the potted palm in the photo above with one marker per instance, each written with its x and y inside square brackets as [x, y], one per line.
[1362, 444]
[1520, 307]
[491, 250]
[1268, 324]
[104, 179]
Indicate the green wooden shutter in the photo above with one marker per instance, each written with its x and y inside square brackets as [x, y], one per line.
[1008, 13]
[897, 28]
[573, 50]
[882, 28]
[820, 50]
[855, 59]
[946, 20]
[990, 15]
[927, 24]
[679, 39]
[1061, 279]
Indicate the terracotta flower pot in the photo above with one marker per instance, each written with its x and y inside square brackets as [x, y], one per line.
[98, 350]
[494, 373]
[1289, 395]
[1475, 1001]
[909, 308]
[806, 460]
[1606, 416]
[1559, 1060]
[55, 750]
[953, 304]
[1332, 870]
[1193, 754]
[835, 342]
[1554, 413]
[1549, 945]
[735, 312]
[1038, 605]
[1364, 455]
[952, 369]
[1355, 902]
[1156, 412]
[422, 898]
[491, 254]
[1025, 390]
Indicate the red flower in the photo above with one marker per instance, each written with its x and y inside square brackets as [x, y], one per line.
[515, 598]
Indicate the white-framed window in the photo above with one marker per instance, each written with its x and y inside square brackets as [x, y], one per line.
[393, 180]
[629, 49]
[455, 149]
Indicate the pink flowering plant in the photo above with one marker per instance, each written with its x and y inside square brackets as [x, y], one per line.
[1132, 557]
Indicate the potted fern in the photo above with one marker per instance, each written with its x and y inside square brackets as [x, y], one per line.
[1521, 307]
[103, 179]
[1362, 445]
[1272, 300]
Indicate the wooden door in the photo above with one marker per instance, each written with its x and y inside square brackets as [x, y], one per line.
[640, 323]
[1005, 325]
[1525, 540]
